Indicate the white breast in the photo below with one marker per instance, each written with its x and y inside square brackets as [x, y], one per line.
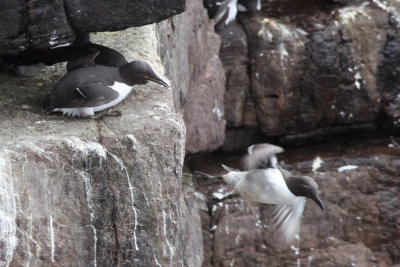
[122, 89]
[265, 186]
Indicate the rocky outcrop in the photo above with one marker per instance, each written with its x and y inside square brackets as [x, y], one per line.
[198, 75]
[85, 192]
[359, 187]
[46, 24]
[313, 69]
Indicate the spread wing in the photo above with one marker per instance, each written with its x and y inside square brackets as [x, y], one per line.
[90, 95]
[261, 156]
[286, 219]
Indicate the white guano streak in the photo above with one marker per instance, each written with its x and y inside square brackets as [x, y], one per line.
[51, 230]
[122, 166]
[88, 190]
[8, 227]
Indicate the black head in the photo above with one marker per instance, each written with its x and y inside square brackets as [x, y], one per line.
[304, 186]
[139, 72]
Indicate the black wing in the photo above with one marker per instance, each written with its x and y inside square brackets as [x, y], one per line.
[90, 95]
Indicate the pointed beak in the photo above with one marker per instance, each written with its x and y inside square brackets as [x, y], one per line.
[318, 201]
[158, 80]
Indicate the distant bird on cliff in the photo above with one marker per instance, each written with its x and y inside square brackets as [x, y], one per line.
[264, 181]
[86, 90]
[88, 54]
[249, 5]
[224, 11]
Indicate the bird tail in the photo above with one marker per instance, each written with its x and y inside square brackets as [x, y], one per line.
[46, 107]
[202, 174]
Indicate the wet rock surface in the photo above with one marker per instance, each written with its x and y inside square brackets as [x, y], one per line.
[314, 68]
[86, 192]
[46, 24]
[359, 187]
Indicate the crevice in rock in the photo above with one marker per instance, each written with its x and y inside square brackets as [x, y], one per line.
[250, 96]
[273, 96]
[117, 246]
[28, 22]
[66, 12]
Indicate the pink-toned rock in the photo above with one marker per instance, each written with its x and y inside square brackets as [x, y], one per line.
[314, 69]
[191, 51]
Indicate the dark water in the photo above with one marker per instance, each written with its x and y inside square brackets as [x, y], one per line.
[356, 150]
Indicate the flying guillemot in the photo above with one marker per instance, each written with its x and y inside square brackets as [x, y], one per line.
[265, 181]
[87, 90]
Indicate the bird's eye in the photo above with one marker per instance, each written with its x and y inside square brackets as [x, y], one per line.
[306, 187]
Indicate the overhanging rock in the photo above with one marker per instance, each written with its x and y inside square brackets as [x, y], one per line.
[45, 24]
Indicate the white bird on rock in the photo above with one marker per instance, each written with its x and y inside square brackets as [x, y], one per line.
[264, 181]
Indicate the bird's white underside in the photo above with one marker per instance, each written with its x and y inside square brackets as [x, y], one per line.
[269, 187]
[122, 89]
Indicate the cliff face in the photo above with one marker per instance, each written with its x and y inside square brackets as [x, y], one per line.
[84, 192]
[314, 68]
[190, 51]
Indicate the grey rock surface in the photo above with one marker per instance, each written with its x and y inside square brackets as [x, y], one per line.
[47, 24]
[85, 192]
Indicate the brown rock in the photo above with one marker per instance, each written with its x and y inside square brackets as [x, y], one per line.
[274, 74]
[315, 69]
[201, 79]
[359, 225]
[234, 57]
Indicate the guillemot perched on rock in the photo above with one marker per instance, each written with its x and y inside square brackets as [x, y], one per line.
[90, 54]
[84, 91]
[265, 181]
